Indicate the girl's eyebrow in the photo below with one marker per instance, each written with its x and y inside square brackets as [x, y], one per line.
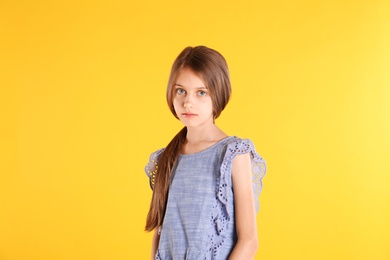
[178, 85]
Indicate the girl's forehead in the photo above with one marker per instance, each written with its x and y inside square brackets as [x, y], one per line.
[187, 78]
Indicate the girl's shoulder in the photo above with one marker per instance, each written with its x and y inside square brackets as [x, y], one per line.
[156, 154]
[153, 161]
[237, 145]
[152, 165]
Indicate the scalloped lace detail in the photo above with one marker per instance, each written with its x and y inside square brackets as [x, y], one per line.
[220, 215]
[152, 167]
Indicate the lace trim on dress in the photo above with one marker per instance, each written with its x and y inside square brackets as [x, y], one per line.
[152, 166]
[220, 215]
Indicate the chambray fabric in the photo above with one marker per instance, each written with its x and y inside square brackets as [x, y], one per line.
[199, 219]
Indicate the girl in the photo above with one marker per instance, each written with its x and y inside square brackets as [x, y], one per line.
[205, 184]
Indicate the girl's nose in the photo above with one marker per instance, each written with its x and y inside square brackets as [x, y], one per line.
[187, 103]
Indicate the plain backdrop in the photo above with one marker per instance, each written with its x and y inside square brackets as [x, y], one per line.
[82, 106]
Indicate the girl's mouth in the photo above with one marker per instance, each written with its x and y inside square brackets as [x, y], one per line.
[189, 114]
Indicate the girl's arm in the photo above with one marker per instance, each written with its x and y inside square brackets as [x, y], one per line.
[155, 242]
[245, 213]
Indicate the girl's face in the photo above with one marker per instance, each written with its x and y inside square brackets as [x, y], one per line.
[191, 100]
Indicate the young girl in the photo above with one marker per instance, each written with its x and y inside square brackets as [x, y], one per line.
[205, 184]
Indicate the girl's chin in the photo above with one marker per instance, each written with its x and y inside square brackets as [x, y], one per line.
[193, 124]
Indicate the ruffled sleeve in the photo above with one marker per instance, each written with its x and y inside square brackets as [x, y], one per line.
[222, 213]
[152, 166]
[235, 147]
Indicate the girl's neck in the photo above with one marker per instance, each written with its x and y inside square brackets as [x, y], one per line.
[199, 139]
[209, 134]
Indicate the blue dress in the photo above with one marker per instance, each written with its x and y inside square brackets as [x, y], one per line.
[199, 218]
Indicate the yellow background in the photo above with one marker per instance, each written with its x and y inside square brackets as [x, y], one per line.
[82, 105]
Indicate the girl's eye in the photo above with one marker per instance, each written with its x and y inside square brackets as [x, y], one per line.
[180, 91]
[202, 93]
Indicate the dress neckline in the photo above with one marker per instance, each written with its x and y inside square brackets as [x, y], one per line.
[207, 149]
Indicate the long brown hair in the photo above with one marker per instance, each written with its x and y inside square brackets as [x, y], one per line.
[212, 68]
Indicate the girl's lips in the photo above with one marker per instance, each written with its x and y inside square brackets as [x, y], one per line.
[188, 114]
